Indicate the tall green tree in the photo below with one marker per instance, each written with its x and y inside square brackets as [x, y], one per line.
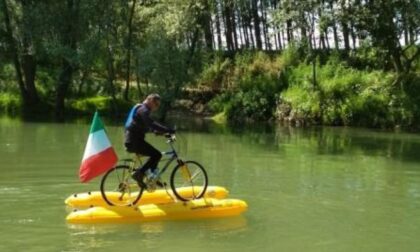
[382, 20]
[23, 54]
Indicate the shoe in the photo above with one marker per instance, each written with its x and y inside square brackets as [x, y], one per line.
[139, 179]
[152, 173]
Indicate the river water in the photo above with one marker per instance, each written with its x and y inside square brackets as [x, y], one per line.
[316, 189]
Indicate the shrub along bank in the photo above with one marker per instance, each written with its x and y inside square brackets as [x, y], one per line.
[290, 88]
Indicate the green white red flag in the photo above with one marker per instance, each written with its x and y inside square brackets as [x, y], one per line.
[99, 156]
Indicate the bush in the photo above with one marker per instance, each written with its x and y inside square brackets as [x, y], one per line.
[102, 104]
[247, 71]
[10, 103]
[342, 96]
[291, 56]
[257, 72]
[215, 74]
[252, 105]
[346, 91]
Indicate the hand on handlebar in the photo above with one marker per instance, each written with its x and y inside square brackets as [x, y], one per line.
[169, 135]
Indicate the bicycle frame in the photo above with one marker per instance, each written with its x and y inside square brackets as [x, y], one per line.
[172, 154]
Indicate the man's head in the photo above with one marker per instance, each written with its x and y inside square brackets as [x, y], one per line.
[152, 101]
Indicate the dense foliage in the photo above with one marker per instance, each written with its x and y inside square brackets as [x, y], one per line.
[338, 62]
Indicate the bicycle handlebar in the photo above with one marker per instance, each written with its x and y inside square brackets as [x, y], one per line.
[170, 137]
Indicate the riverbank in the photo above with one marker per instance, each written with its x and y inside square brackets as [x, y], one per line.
[335, 89]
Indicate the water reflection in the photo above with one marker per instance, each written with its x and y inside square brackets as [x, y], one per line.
[230, 224]
[151, 235]
[321, 140]
[348, 141]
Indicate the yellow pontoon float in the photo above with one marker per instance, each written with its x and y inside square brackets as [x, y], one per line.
[90, 199]
[195, 209]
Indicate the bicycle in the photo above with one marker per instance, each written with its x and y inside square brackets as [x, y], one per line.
[118, 188]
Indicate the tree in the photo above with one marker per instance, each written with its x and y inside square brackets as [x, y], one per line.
[381, 20]
[256, 19]
[128, 49]
[25, 66]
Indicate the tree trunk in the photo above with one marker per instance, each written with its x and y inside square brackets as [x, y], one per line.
[191, 51]
[265, 26]
[345, 26]
[405, 31]
[289, 31]
[282, 39]
[304, 36]
[206, 24]
[252, 36]
[64, 81]
[277, 36]
[327, 40]
[242, 30]
[69, 40]
[396, 58]
[29, 70]
[413, 36]
[256, 23]
[128, 57]
[28, 58]
[232, 16]
[353, 35]
[336, 40]
[218, 32]
[228, 25]
[241, 34]
[346, 35]
[276, 42]
[245, 31]
[14, 51]
[279, 41]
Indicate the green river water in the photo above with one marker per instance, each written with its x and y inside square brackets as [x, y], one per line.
[316, 189]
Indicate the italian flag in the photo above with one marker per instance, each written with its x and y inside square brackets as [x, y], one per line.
[99, 155]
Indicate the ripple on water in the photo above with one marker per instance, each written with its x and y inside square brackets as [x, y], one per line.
[12, 190]
[23, 221]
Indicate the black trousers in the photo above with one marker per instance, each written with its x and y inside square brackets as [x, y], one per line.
[143, 148]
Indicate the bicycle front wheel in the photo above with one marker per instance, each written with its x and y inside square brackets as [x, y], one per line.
[119, 189]
[189, 181]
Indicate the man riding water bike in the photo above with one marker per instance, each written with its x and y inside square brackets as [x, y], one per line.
[137, 125]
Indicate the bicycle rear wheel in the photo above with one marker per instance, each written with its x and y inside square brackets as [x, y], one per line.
[189, 181]
[118, 188]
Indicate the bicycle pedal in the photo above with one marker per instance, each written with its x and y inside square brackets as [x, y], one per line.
[160, 184]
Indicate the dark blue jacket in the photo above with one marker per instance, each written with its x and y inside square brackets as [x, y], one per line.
[141, 123]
